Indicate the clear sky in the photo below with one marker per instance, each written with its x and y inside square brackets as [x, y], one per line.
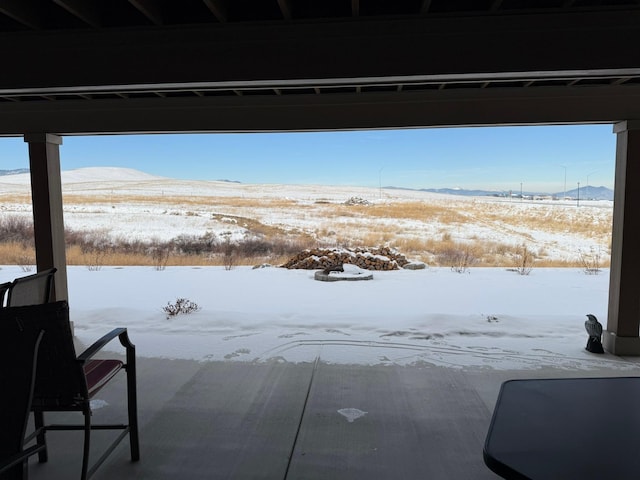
[490, 158]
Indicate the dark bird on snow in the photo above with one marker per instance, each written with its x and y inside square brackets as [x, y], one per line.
[593, 326]
[594, 329]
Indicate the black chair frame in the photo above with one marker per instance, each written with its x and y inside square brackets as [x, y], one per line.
[4, 289]
[14, 466]
[62, 383]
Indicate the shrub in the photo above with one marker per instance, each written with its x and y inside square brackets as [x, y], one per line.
[591, 261]
[160, 257]
[194, 244]
[523, 260]
[16, 230]
[181, 306]
[458, 258]
[229, 248]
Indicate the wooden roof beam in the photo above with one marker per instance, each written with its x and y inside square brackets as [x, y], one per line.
[85, 10]
[424, 7]
[150, 9]
[218, 9]
[22, 11]
[355, 8]
[495, 5]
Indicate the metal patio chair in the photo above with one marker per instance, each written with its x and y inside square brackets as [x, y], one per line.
[4, 288]
[31, 290]
[18, 360]
[66, 382]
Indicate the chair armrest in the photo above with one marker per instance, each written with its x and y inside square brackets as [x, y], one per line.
[98, 344]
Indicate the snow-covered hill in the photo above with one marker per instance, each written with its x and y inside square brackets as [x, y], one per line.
[89, 174]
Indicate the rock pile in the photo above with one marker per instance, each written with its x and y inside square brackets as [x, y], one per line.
[383, 258]
[357, 201]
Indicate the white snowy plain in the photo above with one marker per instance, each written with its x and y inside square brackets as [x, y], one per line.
[485, 318]
[489, 317]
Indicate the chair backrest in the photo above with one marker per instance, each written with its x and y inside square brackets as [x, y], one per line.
[4, 288]
[61, 381]
[18, 360]
[31, 290]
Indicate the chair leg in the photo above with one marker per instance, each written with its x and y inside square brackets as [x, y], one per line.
[132, 406]
[41, 439]
[87, 443]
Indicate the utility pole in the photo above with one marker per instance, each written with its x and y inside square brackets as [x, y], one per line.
[521, 197]
[578, 198]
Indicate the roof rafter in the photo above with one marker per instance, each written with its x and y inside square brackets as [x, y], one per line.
[150, 9]
[620, 81]
[218, 9]
[22, 11]
[355, 8]
[85, 10]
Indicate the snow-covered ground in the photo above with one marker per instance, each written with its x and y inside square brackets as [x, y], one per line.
[490, 318]
[125, 203]
[487, 318]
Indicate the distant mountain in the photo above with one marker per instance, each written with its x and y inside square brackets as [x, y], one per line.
[16, 171]
[589, 193]
[586, 193]
[469, 193]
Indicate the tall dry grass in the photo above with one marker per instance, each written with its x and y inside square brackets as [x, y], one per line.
[400, 224]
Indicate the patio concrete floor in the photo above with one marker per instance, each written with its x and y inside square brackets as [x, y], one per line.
[236, 420]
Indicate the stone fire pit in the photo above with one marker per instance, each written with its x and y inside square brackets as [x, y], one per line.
[351, 273]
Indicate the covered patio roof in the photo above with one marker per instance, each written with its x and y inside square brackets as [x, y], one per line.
[72, 67]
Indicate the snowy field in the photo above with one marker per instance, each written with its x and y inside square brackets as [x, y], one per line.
[128, 204]
[488, 318]
[485, 318]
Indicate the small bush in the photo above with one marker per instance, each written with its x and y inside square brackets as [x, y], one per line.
[181, 306]
[458, 258]
[18, 230]
[523, 260]
[160, 257]
[591, 261]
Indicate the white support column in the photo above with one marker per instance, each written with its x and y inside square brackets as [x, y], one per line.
[623, 323]
[46, 194]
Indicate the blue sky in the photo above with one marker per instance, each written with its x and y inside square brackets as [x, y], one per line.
[491, 158]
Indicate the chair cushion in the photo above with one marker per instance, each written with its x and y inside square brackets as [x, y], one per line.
[99, 372]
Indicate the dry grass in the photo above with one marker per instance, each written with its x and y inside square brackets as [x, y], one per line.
[437, 233]
[15, 253]
[419, 211]
[179, 201]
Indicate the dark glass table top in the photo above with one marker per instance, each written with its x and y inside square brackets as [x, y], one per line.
[579, 428]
